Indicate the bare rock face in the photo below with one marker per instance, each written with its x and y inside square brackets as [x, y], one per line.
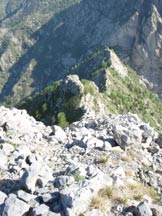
[90, 102]
[117, 65]
[71, 85]
[147, 50]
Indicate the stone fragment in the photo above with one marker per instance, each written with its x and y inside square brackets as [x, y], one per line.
[118, 175]
[7, 148]
[144, 209]
[30, 177]
[75, 199]
[53, 214]
[41, 210]
[126, 136]
[59, 133]
[50, 197]
[26, 197]
[3, 161]
[159, 140]
[3, 196]
[94, 212]
[14, 206]
[63, 181]
[96, 143]
[156, 210]
[91, 171]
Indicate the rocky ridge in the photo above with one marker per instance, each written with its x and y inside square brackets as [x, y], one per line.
[96, 166]
[106, 86]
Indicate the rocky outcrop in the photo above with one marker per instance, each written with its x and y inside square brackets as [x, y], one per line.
[117, 65]
[72, 97]
[71, 85]
[96, 166]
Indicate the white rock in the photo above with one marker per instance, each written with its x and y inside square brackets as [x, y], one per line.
[3, 161]
[7, 148]
[94, 212]
[3, 196]
[94, 142]
[41, 210]
[126, 136]
[26, 197]
[31, 176]
[79, 196]
[59, 133]
[144, 209]
[14, 206]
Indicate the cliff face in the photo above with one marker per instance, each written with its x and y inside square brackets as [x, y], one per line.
[147, 50]
[42, 40]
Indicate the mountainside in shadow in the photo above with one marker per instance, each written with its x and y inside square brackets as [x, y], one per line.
[41, 41]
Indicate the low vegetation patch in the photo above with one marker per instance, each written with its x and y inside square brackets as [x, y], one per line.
[129, 95]
[113, 195]
[102, 160]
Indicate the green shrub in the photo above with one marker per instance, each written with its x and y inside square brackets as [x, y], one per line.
[88, 87]
[61, 119]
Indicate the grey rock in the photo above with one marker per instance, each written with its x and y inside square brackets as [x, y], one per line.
[72, 85]
[126, 136]
[41, 210]
[3, 161]
[131, 211]
[63, 181]
[31, 176]
[147, 131]
[94, 212]
[51, 197]
[75, 199]
[3, 196]
[14, 206]
[118, 176]
[7, 148]
[59, 133]
[53, 214]
[107, 146]
[94, 142]
[159, 140]
[26, 197]
[117, 209]
[153, 149]
[144, 209]
[156, 210]
[128, 214]
[117, 65]
[91, 171]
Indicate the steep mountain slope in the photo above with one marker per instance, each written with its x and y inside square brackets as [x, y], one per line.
[44, 39]
[115, 89]
[98, 166]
